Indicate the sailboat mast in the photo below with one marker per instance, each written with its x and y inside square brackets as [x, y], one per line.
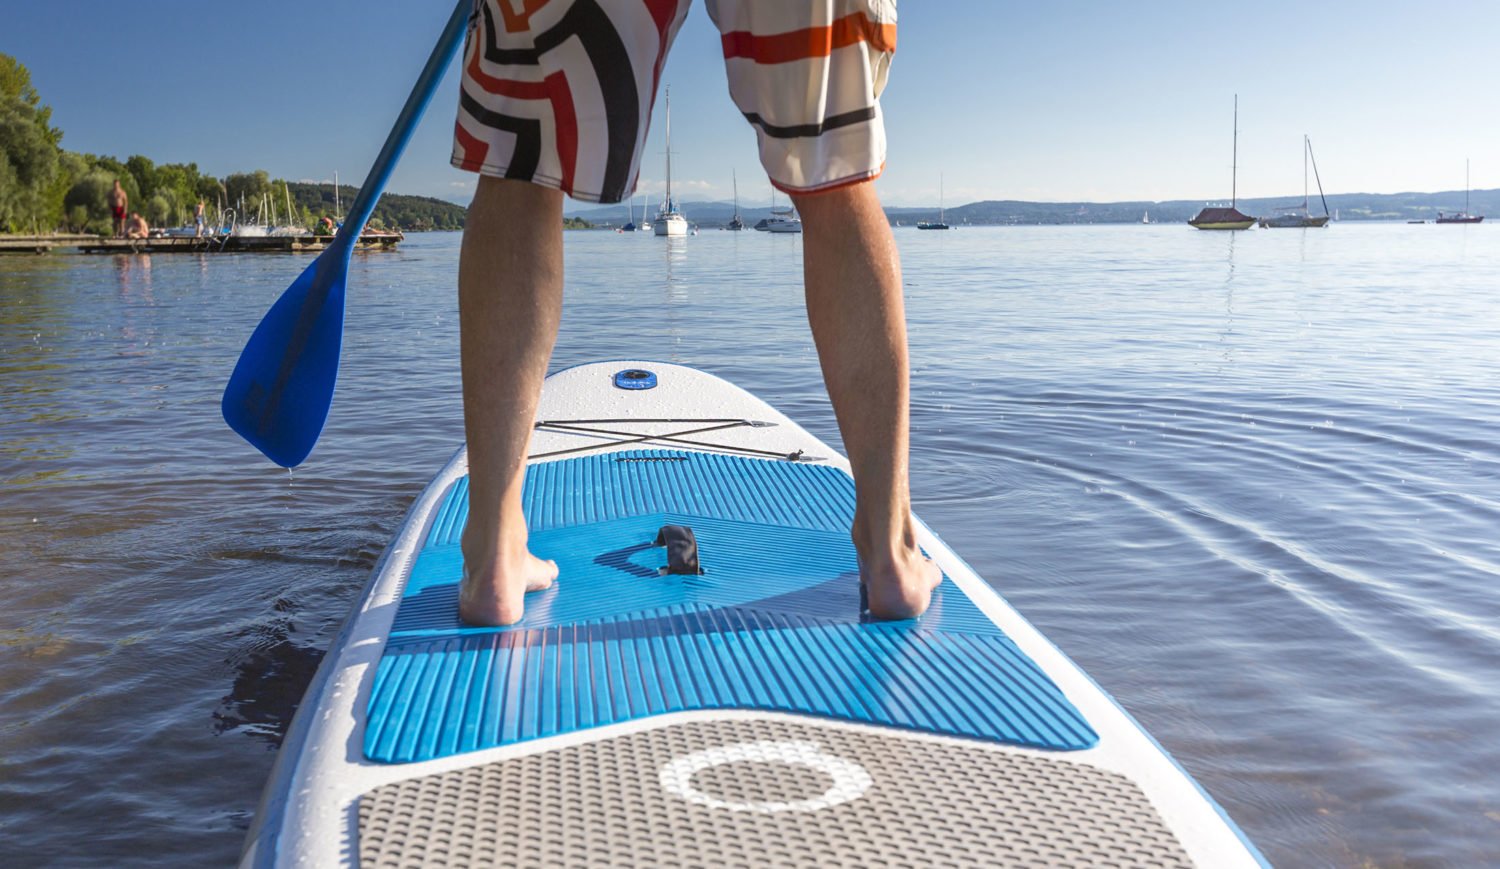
[734, 179]
[1466, 187]
[669, 148]
[940, 199]
[1234, 166]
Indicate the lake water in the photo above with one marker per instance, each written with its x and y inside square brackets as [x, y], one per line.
[1250, 482]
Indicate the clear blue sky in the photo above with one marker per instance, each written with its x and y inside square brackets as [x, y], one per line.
[1006, 100]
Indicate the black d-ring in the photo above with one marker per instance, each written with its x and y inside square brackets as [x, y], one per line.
[682, 549]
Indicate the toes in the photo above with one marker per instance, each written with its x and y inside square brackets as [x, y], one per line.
[544, 577]
[934, 575]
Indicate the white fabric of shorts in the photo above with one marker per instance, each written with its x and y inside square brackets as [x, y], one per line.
[560, 92]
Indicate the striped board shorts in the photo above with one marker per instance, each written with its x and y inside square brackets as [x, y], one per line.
[559, 92]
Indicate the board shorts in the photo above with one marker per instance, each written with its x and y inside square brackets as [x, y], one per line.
[560, 92]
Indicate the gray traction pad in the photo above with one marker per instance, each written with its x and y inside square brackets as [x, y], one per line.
[922, 803]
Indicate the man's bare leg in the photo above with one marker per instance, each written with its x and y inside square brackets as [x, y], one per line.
[853, 283]
[510, 278]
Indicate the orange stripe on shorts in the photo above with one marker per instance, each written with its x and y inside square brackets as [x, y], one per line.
[519, 22]
[811, 42]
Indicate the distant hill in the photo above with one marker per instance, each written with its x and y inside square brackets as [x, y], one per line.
[392, 211]
[1350, 206]
[427, 213]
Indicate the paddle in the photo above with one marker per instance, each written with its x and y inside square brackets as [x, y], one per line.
[278, 397]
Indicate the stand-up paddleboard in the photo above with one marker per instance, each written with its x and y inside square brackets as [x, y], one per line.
[700, 687]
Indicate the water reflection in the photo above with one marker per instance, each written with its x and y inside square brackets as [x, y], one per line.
[271, 672]
[1226, 334]
[676, 287]
[135, 291]
[676, 257]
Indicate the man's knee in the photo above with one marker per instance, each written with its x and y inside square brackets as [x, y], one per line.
[836, 204]
[510, 193]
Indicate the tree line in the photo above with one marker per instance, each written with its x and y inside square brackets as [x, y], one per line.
[46, 188]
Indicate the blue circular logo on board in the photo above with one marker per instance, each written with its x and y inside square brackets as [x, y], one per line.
[635, 378]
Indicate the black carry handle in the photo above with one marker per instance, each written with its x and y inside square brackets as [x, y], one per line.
[682, 549]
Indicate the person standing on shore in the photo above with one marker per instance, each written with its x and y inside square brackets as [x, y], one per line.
[118, 202]
[815, 70]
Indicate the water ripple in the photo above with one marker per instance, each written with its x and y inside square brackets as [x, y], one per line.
[1250, 483]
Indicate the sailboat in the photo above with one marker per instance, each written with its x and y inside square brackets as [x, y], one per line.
[941, 221]
[1462, 216]
[1219, 217]
[1297, 215]
[781, 219]
[735, 223]
[669, 221]
[630, 224]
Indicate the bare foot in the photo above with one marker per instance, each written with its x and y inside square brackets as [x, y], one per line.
[495, 595]
[897, 577]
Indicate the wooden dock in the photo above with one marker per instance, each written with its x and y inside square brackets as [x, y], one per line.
[41, 243]
[237, 244]
[35, 244]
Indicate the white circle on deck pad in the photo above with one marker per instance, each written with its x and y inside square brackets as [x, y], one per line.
[850, 780]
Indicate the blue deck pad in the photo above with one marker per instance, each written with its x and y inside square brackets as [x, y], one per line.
[772, 624]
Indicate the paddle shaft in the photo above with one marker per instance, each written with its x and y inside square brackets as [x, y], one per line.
[406, 124]
[279, 394]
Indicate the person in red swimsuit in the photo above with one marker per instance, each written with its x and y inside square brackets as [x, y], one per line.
[118, 201]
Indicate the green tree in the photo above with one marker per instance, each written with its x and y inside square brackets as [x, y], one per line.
[70, 168]
[86, 204]
[247, 187]
[144, 173]
[28, 150]
[15, 84]
[160, 210]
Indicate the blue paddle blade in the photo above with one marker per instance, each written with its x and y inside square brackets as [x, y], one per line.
[278, 397]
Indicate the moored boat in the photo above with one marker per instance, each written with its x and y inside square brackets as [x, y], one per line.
[1219, 217]
[942, 221]
[630, 224]
[783, 220]
[780, 219]
[1296, 216]
[736, 222]
[1461, 216]
[669, 220]
[1292, 220]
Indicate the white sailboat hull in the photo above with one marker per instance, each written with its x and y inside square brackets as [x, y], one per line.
[671, 226]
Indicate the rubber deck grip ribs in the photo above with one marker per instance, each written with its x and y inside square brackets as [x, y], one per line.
[682, 549]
